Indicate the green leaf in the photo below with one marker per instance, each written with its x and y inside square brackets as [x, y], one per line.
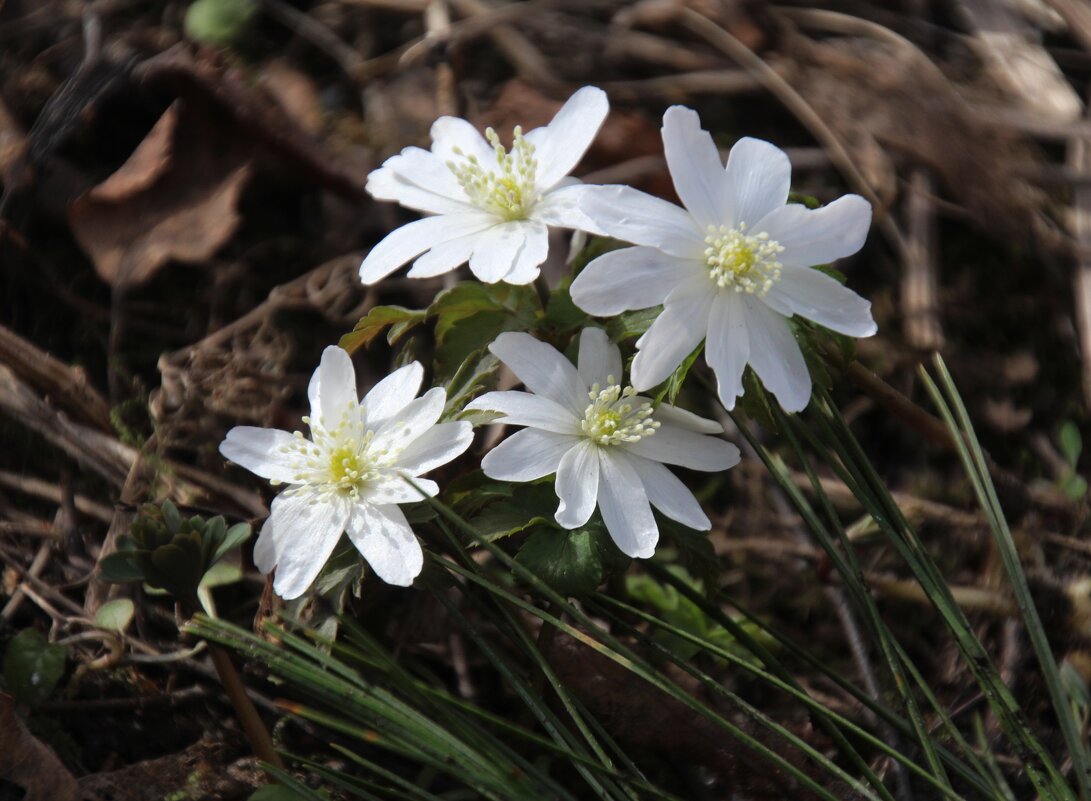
[562, 315]
[1073, 486]
[120, 568]
[473, 375]
[755, 402]
[1071, 442]
[673, 385]
[115, 615]
[275, 792]
[221, 574]
[804, 200]
[32, 666]
[529, 505]
[172, 517]
[219, 22]
[233, 538]
[571, 562]
[377, 320]
[631, 324]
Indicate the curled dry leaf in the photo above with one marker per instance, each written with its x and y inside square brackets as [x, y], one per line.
[174, 199]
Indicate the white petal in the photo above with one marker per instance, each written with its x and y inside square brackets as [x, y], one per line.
[561, 144]
[776, 357]
[392, 394]
[577, 484]
[383, 536]
[259, 450]
[687, 420]
[634, 216]
[759, 176]
[495, 251]
[265, 549]
[673, 335]
[727, 348]
[332, 389]
[669, 495]
[438, 445]
[434, 196]
[424, 170]
[631, 278]
[444, 257]
[561, 207]
[305, 532]
[818, 236]
[625, 509]
[542, 369]
[527, 455]
[451, 133]
[409, 241]
[526, 409]
[533, 252]
[813, 294]
[599, 360]
[673, 445]
[394, 488]
[695, 167]
[409, 422]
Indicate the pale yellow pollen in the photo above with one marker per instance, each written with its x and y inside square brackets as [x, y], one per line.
[747, 263]
[506, 188]
[612, 418]
[339, 460]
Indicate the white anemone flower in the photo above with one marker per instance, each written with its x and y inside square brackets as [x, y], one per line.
[491, 206]
[730, 268]
[607, 445]
[350, 474]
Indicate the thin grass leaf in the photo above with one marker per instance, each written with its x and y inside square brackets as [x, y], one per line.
[1039, 766]
[973, 459]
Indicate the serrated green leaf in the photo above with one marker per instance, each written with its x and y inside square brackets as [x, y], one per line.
[571, 562]
[378, 320]
[115, 615]
[32, 666]
[529, 505]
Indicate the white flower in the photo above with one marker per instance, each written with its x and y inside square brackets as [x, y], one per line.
[606, 444]
[492, 206]
[730, 268]
[350, 475]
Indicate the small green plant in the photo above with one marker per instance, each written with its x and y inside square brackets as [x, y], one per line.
[1072, 483]
[169, 552]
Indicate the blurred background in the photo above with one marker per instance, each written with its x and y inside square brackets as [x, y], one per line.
[183, 215]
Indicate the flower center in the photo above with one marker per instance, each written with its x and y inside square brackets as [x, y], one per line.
[348, 467]
[736, 259]
[612, 417]
[506, 188]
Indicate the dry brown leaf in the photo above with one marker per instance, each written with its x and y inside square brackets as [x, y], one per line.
[174, 199]
[28, 763]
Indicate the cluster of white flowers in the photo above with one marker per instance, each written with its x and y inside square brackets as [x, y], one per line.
[729, 268]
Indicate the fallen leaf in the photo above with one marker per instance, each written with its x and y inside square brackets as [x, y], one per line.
[28, 763]
[174, 199]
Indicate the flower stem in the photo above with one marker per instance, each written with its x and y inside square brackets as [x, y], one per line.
[260, 740]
